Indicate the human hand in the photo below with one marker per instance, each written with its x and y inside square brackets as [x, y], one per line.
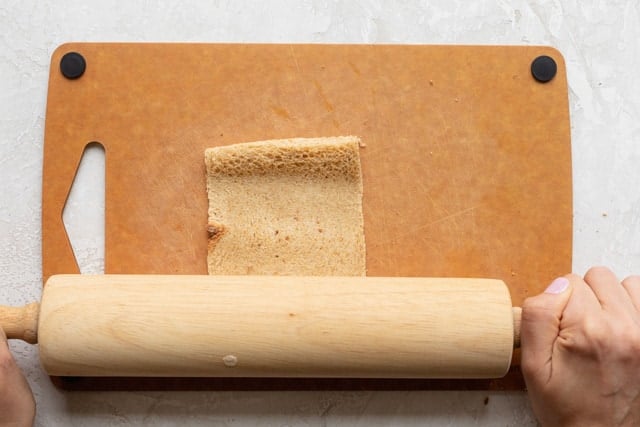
[580, 343]
[17, 406]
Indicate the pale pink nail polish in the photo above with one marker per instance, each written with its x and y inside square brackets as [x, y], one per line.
[557, 286]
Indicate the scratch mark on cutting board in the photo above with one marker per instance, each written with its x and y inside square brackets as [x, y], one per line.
[295, 59]
[449, 217]
[299, 71]
[282, 112]
[327, 105]
[355, 69]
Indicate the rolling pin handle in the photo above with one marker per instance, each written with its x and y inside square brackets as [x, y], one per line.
[517, 319]
[20, 322]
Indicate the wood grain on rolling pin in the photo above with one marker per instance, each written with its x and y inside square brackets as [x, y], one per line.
[202, 326]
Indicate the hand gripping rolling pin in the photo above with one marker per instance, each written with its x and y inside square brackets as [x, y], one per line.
[270, 326]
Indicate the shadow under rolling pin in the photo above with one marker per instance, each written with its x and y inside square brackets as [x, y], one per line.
[270, 326]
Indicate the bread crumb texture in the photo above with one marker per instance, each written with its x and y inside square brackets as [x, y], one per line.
[286, 207]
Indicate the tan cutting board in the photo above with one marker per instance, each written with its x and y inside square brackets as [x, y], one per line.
[466, 169]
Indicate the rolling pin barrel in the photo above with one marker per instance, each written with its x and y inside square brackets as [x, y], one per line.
[203, 326]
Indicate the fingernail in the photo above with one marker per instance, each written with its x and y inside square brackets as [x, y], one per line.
[557, 286]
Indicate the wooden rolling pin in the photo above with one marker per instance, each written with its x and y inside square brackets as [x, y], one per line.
[203, 326]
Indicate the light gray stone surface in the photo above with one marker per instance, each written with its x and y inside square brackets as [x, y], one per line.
[601, 45]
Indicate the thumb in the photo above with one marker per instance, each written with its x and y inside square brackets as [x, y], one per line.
[540, 326]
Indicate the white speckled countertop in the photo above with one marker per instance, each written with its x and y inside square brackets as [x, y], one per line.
[601, 45]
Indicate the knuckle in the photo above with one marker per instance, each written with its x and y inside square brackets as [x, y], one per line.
[612, 340]
[626, 342]
[597, 332]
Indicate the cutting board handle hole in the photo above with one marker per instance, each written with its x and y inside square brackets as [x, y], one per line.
[83, 213]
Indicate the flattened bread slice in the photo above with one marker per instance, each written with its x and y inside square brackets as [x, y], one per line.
[286, 207]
